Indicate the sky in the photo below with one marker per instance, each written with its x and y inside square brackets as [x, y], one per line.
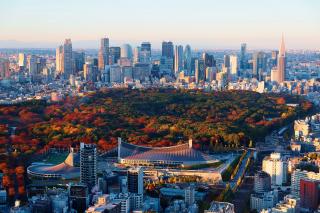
[204, 24]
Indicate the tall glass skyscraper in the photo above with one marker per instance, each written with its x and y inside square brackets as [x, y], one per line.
[187, 59]
[167, 49]
[126, 51]
[103, 57]
[145, 53]
[178, 59]
[67, 65]
[243, 58]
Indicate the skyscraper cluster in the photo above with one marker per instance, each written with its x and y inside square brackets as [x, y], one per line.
[126, 64]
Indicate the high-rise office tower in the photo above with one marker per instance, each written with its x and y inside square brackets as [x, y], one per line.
[145, 53]
[167, 49]
[243, 57]
[88, 164]
[178, 59]
[32, 66]
[4, 69]
[126, 51]
[226, 61]
[64, 53]
[234, 65]
[115, 53]
[90, 72]
[41, 64]
[199, 70]
[103, 55]
[208, 60]
[136, 55]
[116, 74]
[22, 60]
[262, 182]
[211, 74]
[59, 59]
[79, 60]
[274, 57]
[135, 180]
[277, 167]
[259, 66]
[282, 62]
[146, 46]
[67, 62]
[187, 59]
[189, 195]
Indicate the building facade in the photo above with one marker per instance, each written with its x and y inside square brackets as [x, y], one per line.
[88, 165]
[277, 167]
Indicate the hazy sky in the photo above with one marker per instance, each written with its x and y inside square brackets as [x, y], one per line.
[209, 24]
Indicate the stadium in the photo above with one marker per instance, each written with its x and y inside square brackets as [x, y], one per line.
[66, 170]
[183, 155]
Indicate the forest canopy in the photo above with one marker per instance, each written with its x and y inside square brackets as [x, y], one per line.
[153, 117]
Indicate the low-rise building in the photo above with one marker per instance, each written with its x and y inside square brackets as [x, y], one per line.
[220, 207]
[259, 201]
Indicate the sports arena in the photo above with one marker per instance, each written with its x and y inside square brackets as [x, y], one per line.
[66, 170]
[174, 156]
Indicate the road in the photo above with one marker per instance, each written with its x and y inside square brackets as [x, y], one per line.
[241, 170]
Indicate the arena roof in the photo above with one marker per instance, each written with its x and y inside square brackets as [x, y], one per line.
[182, 153]
[64, 170]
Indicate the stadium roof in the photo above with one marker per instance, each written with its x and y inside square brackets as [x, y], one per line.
[183, 153]
[65, 170]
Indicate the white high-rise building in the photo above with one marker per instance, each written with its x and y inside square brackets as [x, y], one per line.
[274, 74]
[178, 59]
[277, 167]
[234, 65]
[59, 59]
[189, 193]
[22, 60]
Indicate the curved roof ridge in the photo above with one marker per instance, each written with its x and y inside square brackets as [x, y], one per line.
[156, 148]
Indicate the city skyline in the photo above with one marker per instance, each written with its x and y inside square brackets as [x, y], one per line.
[203, 25]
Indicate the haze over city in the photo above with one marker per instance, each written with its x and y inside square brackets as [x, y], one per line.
[204, 24]
[159, 106]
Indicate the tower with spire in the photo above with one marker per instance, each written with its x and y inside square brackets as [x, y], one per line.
[281, 74]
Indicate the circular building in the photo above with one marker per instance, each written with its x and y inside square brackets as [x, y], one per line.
[66, 170]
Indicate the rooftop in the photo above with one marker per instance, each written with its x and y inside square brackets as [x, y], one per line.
[65, 170]
[182, 153]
